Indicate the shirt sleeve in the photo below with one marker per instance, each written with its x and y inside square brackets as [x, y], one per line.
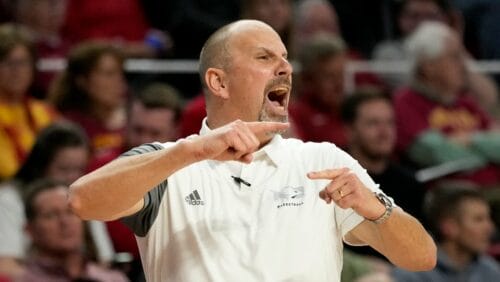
[141, 222]
[12, 221]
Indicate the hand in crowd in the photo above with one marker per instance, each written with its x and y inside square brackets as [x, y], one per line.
[347, 191]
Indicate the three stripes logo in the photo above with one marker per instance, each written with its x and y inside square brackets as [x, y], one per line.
[194, 199]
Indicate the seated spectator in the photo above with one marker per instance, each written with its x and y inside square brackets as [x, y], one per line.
[437, 120]
[321, 91]
[314, 17]
[45, 18]
[119, 23]
[154, 115]
[276, 13]
[371, 133]
[459, 219]
[412, 14]
[92, 93]
[21, 116]
[61, 153]
[58, 239]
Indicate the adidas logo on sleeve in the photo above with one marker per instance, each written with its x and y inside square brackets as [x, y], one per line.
[194, 199]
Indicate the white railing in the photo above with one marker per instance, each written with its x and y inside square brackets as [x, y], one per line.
[191, 67]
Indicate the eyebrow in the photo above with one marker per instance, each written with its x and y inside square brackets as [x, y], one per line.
[270, 52]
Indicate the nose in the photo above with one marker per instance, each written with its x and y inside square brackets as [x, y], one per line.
[285, 68]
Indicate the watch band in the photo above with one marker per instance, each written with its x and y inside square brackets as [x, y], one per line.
[388, 207]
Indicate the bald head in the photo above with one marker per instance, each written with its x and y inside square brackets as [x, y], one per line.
[215, 52]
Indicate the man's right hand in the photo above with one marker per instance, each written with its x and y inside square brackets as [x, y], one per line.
[236, 140]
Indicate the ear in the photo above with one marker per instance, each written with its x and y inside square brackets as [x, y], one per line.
[215, 80]
[449, 228]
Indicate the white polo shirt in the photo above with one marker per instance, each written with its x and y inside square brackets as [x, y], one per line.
[202, 225]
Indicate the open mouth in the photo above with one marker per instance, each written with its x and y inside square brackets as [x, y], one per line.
[278, 96]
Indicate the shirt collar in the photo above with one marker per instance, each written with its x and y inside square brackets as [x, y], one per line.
[272, 150]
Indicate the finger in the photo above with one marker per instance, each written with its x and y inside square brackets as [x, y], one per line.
[327, 173]
[324, 195]
[247, 136]
[263, 130]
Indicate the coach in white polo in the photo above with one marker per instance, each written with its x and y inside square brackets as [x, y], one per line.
[240, 203]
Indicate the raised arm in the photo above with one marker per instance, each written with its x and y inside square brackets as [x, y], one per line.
[118, 188]
[400, 238]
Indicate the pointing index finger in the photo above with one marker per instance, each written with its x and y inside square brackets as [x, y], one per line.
[264, 129]
[327, 173]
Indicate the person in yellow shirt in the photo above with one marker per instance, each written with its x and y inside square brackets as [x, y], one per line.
[21, 116]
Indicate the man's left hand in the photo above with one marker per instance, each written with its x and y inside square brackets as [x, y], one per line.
[347, 191]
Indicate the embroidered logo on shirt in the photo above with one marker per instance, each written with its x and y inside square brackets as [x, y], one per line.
[194, 199]
[289, 196]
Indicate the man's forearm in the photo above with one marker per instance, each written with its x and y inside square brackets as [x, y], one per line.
[402, 239]
[110, 191]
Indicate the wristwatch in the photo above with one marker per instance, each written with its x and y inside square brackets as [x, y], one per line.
[388, 207]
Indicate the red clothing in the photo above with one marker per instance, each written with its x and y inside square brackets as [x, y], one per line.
[104, 143]
[46, 270]
[315, 123]
[193, 115]
[105, 19]
[416, 113]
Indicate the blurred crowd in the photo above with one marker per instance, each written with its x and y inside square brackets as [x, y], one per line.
[430, 136]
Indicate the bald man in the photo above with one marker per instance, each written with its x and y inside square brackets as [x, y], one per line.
[238, 202]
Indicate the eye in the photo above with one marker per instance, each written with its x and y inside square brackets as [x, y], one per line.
[263, 57]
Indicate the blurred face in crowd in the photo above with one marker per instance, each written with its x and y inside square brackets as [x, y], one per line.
[16, 73]
[47, 14]
[105, 84]
[276, 13]
[417, 11]
[55, 229]
[259, 75]
[473, 228]
[326, 81]
[68, 164]
[319, 18]
[447, 72]
[150, 125]
[373, 132]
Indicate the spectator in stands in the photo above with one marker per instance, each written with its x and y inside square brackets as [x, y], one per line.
[410, 15]
[120, 23]
[371, 133]
[58, 239]
[460, 221]
[438, 122]
[415, 12]
[319, 17]
[154, 115]
[61, 153]
[321, 91]
[276, 13]
[314, 17]
[21, 116]
[92, 93]
[45, 18]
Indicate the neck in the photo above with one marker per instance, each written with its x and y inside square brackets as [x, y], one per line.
[458, 256]
[10, 98]
[372, 164]
[71, 262]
